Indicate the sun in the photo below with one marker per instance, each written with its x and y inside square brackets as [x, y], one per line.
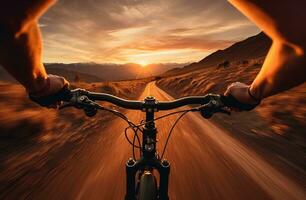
[143, 63]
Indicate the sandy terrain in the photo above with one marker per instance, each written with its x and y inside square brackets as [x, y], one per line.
[31, 138]
[276, 128]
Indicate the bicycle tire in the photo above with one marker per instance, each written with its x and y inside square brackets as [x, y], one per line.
[147, 187]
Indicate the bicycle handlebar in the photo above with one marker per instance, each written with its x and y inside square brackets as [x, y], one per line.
[224, 101]
[80, 98]
[124, 103]
[190, 100]
[140, 105]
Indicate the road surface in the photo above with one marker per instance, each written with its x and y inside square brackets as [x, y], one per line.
[206, 163]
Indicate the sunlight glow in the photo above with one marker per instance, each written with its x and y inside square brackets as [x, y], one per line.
[143, 63]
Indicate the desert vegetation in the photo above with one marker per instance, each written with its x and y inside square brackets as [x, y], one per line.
[275, 128]
[33, 136]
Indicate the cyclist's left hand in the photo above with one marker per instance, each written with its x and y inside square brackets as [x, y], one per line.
[51, 95]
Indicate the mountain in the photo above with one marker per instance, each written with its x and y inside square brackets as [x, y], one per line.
[115, 72]
[251, 48]
[74, 76]
[101, 71]
[70, 75]
[160, 68]
[93, 72]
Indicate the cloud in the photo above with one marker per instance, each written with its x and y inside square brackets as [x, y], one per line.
[177, 42]
[126, 30]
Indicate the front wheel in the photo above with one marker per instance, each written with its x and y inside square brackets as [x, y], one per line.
[147, 186]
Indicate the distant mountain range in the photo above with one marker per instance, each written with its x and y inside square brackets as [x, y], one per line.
[251, 48]
[112, 72]
[93, 72]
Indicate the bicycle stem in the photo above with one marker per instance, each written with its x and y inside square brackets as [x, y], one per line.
[149, 131]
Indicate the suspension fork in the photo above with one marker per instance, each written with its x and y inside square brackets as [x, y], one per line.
[132, 167]
[164, 171]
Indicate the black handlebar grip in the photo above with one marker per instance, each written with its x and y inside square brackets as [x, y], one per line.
[230, 101]
[64, 94]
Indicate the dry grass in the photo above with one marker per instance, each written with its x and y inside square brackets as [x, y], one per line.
[29, 134]
[277, 127]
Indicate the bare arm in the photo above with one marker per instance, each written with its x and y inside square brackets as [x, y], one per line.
[20, 41]
[284, 66]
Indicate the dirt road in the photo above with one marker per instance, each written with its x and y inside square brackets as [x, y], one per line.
[206, 163]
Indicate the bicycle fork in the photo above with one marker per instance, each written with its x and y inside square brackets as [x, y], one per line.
[132, 167]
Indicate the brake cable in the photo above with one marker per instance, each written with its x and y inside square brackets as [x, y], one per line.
[135, 128]
[131, 125]
[171, 130]
[166, 115]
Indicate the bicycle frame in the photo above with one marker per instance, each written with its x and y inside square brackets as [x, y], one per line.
[149, 159]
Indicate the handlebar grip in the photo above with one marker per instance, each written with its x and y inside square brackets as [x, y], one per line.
[230, 101]
[64, 94]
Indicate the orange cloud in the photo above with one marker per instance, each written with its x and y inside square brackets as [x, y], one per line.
[174, 42]
[145, 30]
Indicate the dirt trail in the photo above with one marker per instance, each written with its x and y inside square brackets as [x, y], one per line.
[206, 163]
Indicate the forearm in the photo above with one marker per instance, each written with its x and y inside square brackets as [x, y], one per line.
[20, 55]
[280, 20]
[284, 68]
[285, 64]
[20, 41]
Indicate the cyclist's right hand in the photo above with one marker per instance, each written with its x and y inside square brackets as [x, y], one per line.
[238, 97]
[52, 93]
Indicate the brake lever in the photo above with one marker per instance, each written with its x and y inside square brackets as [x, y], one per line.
[90, 107]
[215, 105]
[82, 102]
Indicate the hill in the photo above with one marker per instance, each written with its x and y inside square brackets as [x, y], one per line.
[74, 76]
[70, 75]
[251, 48]
[93, 72]
[115, 72]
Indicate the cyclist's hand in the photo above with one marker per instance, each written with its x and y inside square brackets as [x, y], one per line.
[52, 93]
[239, 92]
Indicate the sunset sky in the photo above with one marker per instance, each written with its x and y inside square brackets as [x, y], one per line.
[140, 31]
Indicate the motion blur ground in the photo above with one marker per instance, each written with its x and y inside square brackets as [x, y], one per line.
[276, 128]
[206, 163]
[35, 140]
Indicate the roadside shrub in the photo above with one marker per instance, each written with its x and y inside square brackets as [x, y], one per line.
[224, 64]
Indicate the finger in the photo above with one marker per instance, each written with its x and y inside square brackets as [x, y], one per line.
[228, 91]
[234, 84]
[60, 103]
[66, 83]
